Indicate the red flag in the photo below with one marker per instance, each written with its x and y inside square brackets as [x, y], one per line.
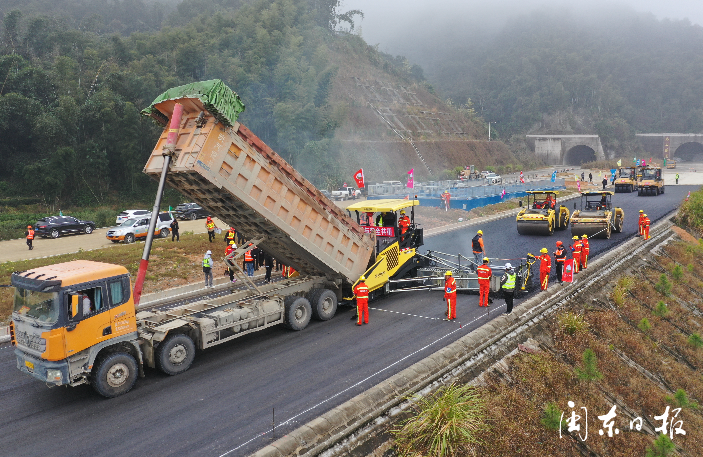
[359, 178]
[650, 160]
[522, 178]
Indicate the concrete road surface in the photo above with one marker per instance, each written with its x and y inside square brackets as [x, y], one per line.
[227, 401]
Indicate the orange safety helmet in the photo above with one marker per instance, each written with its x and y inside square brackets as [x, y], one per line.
[559, 243]
[209, 218]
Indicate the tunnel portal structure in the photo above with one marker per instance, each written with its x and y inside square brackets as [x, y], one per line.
[567, 149]
[686, 147]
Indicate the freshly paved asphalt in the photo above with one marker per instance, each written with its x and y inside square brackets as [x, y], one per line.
[228, 399]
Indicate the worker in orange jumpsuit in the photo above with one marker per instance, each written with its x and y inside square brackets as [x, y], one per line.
[484, 273]
[362, 301]
[560, 259]
[403, 223]
[576, 253]
[639, 223]
[545, 266]
[450, 295]
[585, 250]
[230, 247]
[645, 227]
[30, 237]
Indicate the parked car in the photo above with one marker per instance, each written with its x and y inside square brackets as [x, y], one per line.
[346, 193]
[130, 213]
[492, 178]
[137, 228]
[191, 211]
[55, 226]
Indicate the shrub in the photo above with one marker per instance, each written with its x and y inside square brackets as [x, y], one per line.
[626, 283]
[619, 296]
[695, 340]
[662, 447]
[590, 367]
[644, 325]
[445, 424]
[680, 399]
[689, 267]
[661, 310]
[551, 417]
[677, 273]
[664, 286]
[572, 323]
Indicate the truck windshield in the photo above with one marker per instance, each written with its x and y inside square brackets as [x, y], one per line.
[625, 173]
[41, 306]
[648, 174]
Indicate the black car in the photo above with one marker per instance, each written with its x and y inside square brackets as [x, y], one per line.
[191, 211]
[55, 226]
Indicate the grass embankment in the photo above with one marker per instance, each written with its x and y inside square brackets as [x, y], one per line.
[637, 345]
[170, 264]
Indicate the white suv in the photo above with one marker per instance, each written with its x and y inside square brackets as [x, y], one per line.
[492, 178]
[137, 228]
[129, 214]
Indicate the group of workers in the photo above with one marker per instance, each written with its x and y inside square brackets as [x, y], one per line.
[643, 226]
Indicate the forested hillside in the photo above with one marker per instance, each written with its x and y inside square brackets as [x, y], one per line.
[612, 72]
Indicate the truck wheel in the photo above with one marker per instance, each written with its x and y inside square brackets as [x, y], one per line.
[114, 375]
[298, 312]
[323, 303]
[129, 238]
[165, 232]
[175, 354]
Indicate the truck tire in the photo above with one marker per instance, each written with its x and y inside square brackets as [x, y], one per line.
[175, 354]
[298, 312]
[129, 238]
[323, 303]
[114, 375]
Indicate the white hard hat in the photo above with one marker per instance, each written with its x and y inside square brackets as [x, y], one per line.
[208, 252]
[508, 266]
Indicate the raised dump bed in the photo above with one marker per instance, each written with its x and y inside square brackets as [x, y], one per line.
[228, 170]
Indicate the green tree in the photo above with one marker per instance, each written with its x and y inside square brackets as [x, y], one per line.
[589, 372]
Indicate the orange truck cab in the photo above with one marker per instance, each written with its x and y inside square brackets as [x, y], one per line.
[68, 319]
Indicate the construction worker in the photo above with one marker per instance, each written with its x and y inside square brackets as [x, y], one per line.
[559, 259]
[230, 235]
[249, 262]
[207, 268]
[576, 253]
[446, 197]
[210, 226]
[228, 250]
[645, 227]
[478, 249]
[545, 266]
[585, 250]
[403, 223]
[677, 178]
[484, 273]
[450, 295]
[29, 234]
[174, 230]
[362, 301]
[639, 223]
[507, 285]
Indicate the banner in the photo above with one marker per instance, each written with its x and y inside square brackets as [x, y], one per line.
[568, 274]
[411, 181]
[380, 231]
[359, 178]
[619, 162]
[554, 176]
[578, 184]
[502, 194]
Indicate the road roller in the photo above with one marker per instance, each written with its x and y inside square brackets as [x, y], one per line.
[597, 217]
[542, 215]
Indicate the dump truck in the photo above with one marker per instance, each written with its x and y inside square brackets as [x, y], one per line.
[77, 323]
[597, 217]
[542, 215]
[627, 180]
[651, 182]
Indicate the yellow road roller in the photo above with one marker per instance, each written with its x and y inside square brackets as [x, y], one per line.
[542, 215]
[597, 217]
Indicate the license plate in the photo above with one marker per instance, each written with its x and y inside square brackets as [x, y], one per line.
[29, 365]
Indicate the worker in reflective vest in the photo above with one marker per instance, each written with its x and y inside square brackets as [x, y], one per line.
[207, 268]
[645, 227]
[545, 267]
[478, 249]
[559, 259]
[639, 223]
[30, 236]
[362, 301]
[229, 236]
[228, 250]
[507, 284]
[249, 263]
[403, 223]
[585, 250]
[450, 295]
[576, 253]
[210, 225]
[484, 273]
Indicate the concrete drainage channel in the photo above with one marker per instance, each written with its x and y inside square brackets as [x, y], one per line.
[359, 426]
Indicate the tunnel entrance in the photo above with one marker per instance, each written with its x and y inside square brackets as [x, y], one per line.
[578, 155]
[689, 152]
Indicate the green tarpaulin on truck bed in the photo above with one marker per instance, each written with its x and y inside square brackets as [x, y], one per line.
[220, 100]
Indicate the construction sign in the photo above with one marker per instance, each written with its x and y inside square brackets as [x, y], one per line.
[568, 274]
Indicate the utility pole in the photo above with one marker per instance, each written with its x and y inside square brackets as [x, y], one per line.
[489, 129]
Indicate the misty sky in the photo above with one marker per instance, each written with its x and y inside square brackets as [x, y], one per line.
[389, 23]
